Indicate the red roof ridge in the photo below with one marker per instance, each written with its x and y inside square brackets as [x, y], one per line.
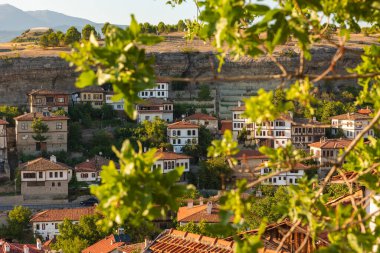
[182, 124]
[200, 116]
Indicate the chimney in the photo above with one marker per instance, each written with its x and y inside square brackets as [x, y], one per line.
[39, 244]
[7, 247]
[53, 158]
[26, 249]
[239, 103]
[190, 203]
[200, 201]
[209, 207]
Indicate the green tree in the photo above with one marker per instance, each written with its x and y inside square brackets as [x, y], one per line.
[151, 133]
[214, 174]
[242, 136]
[44, 41]
[40, 129]
[105, 28]
[204, 92]
[9, 112]
[53, 39]
[181, 26]
[87, 30]
[17, 224]
[161, 27]
[72, 35]
[74, 139]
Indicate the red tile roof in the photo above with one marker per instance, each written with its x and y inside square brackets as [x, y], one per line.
[249, 154]
[19, 247]
[226, 125]
[366, 111]
[182, 124]
[331, 143]
[106, 245]
[47, 92]
[73, 214]
[198, 213]
[42, 164]
[154, 101]
[160, 155]
[3, 122]
[32, 116]
[200, 116]
[93, 165]
[351, 116]
[174, 241]
[239, 108]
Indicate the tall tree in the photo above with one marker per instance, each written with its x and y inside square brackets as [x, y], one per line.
[105, 28]
[72, 35]
[181, 26]
[151, 133]
[87, 30]
[40, 129]
[161, 27]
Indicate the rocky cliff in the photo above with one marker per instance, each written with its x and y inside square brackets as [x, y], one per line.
[18, 75]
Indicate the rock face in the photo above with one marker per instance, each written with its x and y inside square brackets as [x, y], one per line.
[20, 75]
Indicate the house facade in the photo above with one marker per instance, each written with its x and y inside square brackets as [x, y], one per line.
[351, 124]
[208, 121]
[94, 95]
[56, 136]
[306, 131]
[45, 179]
[181, 133]
[285, 178]
[161, 90]
[152, 108]
[247, 162]
[116, 105]
[48, 100]
[89, 171]
[167, 161]
[45, 223]
[3, 147]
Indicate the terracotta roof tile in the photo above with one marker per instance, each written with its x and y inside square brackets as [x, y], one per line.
[239, 108]
[19, 247]
[93, 165]
[73, 214]
[47, 92]
[160, 155]
[182, 124]
[200, 116]
[198, 213]
[108, 244]
[42, 164]
[174, 241]
[154, 101]
[366, 111]
[331, 143]
[32, 116]
[351, 116]
[132, 248]
[249, 154]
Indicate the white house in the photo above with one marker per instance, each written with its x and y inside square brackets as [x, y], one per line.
[116, 105]
[89, 171]
[306, 131]
[239, 122]
[167, 161]
[3, 146]
[45, 223]
[161, 90]
[208, 121]
[351, 124]
[152, 108]
[44, 179]
[285, 178]
[181, 133]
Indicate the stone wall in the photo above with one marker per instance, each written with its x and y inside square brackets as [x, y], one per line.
[20, 75]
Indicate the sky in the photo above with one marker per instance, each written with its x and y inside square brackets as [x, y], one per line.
[113, 11]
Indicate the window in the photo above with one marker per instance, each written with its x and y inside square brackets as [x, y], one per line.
[50, 174]
[29, 175]
[40, 174]
[55, 174]
[58, 125]
[59, 183]
[194, 141]
[56, 226]
[38, 101]
[179, 141]
[147, 117]
[174, 132]
[178, 132]
[93, 174]
[43, 226]
[193, 132]
[84, 96]
[84, 175]
[186, 165]
[60, 137]
[61, 174]
[174, 141]
[291, 180]
[24, 126]
[49, 99]
[61, 100]
[280, 123]
[189, 132]
[38, 227]
[53, 184]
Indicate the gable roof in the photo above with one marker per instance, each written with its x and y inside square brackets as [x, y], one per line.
[19, 247]
[132, 248]
[47, 92]
[249, 154]
[42, 164]
[366, 111]
[351, 116]
[198, 213]
[154, 101]
[200, 116]
[308, 122]
[73, 214]
[33, 115]
[108, 244]
[331, 143]
[174, 241]
[181, 125]
[93, 165]
[161, 155]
